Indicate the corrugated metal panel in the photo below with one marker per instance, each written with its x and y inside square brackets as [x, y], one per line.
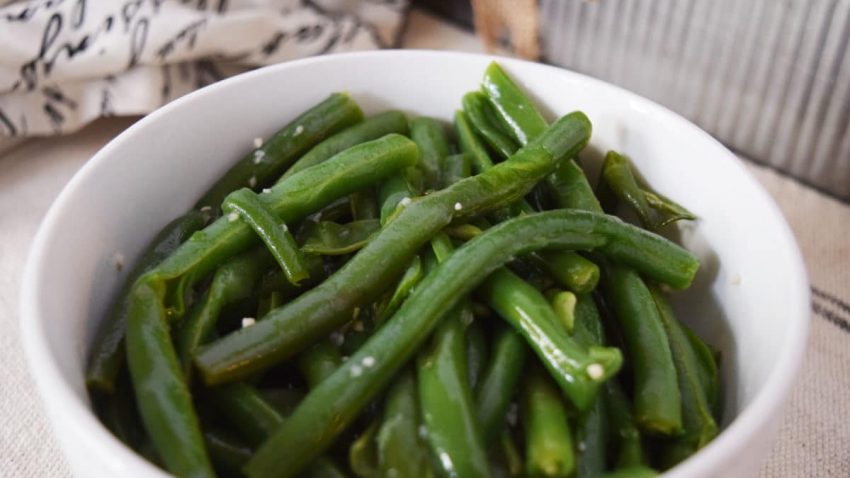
[770, 78]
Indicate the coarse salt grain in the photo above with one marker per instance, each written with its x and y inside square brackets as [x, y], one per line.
[356, 371]
[458, 206]
[258, 142]
[595, 371]
[233, 216]
[368, 361]
[248, 321]
[405, 201]
[258, 156]
[266, 190]
[298, 130]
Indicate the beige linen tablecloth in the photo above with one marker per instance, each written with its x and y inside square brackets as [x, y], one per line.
[815, 432]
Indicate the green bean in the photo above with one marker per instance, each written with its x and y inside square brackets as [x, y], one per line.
[511, 455]
[332, 239]
[165, 402]
[428, 134]
[334, 404]
[578, 370]
[318, 362]
[108, 352]
[161, 393]
[709, 376]
[322, 309]
[518, 114]
[499, 382]
[401, 451]
[669, 208]
[456, 167]
[623, 431]
[408, 281]
[228, 453]
[571, 271]
[246, 206]
[269, 161]
[592, 425]
[569, 188]
[367, 130]
[479, 112]
[658, 405]
[476, 353]
[632, 472]
[617, 173]
[234, 280]
[698, 423]
[463, 232]
[548, 442]
[470, 143]
[446, 400]
[391, 194]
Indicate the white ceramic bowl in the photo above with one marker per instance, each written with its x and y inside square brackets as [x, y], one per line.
[750, 298]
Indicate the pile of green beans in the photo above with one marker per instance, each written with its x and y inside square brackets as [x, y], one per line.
[362, 296]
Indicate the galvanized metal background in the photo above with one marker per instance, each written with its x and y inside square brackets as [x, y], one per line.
[770, 78]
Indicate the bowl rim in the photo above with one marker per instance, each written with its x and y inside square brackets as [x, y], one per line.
[732, 439]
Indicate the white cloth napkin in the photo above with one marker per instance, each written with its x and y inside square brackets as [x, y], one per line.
[64, 63]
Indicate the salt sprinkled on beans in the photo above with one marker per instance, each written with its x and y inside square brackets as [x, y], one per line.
[232, 217]
[258, 156]
[458, 206]
[405, 201]
[356, 371]
[258, 142]
[248, 321]
[595, 371]
[266, 190]
[368, 361]
[298, 130]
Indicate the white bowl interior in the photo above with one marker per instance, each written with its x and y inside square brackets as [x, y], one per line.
[750, 298]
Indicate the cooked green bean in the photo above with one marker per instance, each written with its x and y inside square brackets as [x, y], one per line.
[571, 271]
[499, 383]
[108, 352]
[269, 161]
[518, 114]
[624, 433]
[569, 188]
[428, 134]
[577, 370]
[456, 167]
[405, 285]
[401, 450]
[369, 129]
[318, 362]
[363, 453]
[698, 422]
[245, 409]
[476, 353]
[510, 452]
[479, 112]
[364, 205]
[320, 310]
[470, 143]
[331, 407]
[592, 425]
[246, 206]
[548, 441]
[669, 208]
[708, 373]
[617, 173]
[564, 304]
[658, 403]
[446, 400]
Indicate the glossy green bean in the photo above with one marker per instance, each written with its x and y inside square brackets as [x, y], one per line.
[698, 422]
[364, 205]
[428, 134]
[617, 173]
[708, 372]
[244, 205]
[658, 404]
[161, 392]
[548, 440]
[234, 280]
[264, 164]
[470, 143]
[456, 167]
[500, 381]
[369, 129]
[480, 114]
[401, 449]
[518, 114]
[108, 353]
[592, 425]
[569, 188]
[446, 400]
[334, 404]
[405, 285]
[577, 370]
[563, 304]
[571, 271]
[322, 309]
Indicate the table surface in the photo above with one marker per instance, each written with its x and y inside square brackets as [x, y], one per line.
[815, 432]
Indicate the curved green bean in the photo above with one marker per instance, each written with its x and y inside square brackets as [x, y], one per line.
[548, 441]
[499, 383]
[428, 134]
[333, 405]
[518, 114]
[267, 162]
[401, 451]
[479, 112]
[470, 143]
[617, 173]
[369, 129]
[332, 239]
